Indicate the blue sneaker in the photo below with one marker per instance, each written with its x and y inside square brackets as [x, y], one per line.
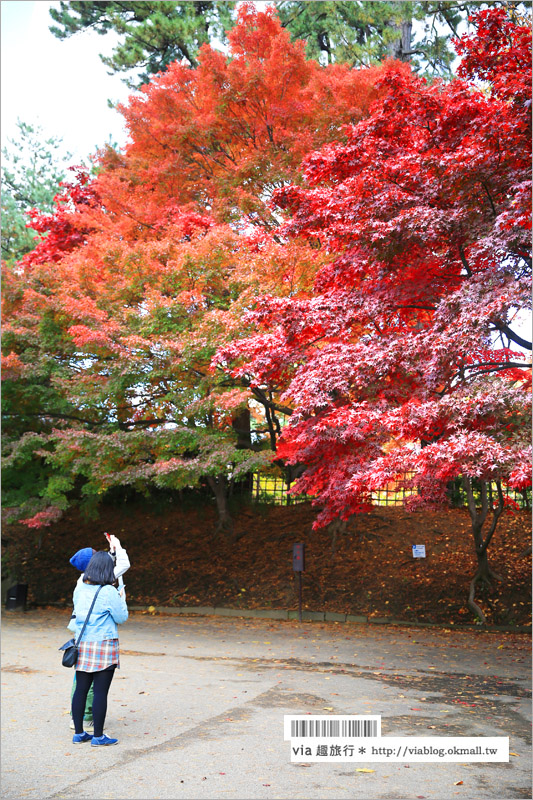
[78, 738]
[102, 740]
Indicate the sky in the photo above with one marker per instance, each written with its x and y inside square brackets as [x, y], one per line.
[60, 85]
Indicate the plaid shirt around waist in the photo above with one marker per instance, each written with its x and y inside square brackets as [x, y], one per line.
[96, 656]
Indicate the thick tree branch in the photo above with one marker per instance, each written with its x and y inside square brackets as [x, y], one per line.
[262, 398]
[51, 415]
[464, 261]
[514, 337]
[495, 516]
[490, 198]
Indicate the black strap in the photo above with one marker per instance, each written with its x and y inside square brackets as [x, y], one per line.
[88, 615]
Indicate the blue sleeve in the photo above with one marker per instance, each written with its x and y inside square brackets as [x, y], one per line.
[116, 605]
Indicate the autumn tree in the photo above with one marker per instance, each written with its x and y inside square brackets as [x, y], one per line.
[147, 268]
[405, 365]
[32, 169]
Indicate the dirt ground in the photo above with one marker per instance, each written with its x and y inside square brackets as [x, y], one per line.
[367, 569]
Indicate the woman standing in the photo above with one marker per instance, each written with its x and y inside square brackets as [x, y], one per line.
[98, 650]
[80, 560]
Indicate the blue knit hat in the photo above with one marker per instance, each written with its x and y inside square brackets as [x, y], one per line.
[82, 558]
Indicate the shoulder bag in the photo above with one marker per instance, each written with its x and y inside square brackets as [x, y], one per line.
[70, 655]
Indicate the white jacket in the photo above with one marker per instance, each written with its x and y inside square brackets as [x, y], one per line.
[122, 564]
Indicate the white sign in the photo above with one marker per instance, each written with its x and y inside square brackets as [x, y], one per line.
[445, 749]
[332, 726]
[419, 551]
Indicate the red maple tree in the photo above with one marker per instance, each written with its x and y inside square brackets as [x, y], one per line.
[147, 268]
[401, 365]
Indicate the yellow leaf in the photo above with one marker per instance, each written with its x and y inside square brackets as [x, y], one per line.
[515, 754]
[327, 708]
[365, 770]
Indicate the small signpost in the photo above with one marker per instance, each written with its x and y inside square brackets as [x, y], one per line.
[419, 551]
[298, 565]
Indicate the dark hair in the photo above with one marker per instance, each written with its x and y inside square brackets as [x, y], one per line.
[100, 569]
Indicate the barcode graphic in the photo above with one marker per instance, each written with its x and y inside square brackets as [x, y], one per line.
[333, 728]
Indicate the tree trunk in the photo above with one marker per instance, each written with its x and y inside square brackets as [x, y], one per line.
[405, 40]
[219, 486]
[484, 573]
[241, 424]
[267, 401]
[400, 48]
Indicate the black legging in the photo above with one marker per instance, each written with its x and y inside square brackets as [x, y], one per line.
[101, 682]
